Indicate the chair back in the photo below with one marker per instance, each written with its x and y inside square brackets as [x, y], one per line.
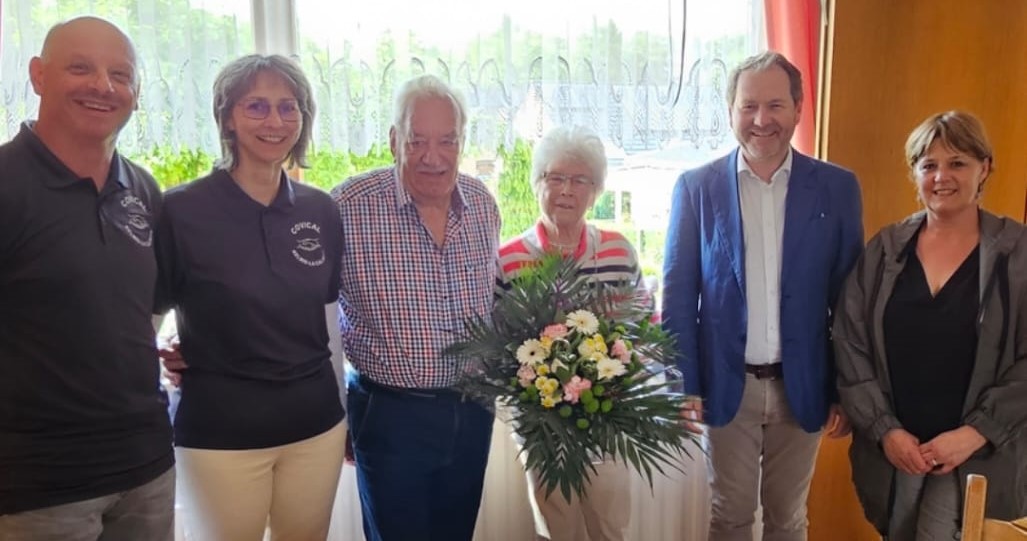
[977, 527]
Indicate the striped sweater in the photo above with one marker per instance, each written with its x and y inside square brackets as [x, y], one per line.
[605, 255]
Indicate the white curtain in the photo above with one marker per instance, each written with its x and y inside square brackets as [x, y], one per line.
[180, 46]
[525, 66]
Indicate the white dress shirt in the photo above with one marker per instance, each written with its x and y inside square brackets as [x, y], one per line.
[763, 223]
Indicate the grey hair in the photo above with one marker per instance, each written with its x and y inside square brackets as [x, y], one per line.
[763, 62]
[236, 79]
[576, 143]
[421, 87]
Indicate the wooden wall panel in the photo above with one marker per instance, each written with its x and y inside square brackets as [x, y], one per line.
[888, 65]
[891, 63]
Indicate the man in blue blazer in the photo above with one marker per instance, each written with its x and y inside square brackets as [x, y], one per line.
[758, 246]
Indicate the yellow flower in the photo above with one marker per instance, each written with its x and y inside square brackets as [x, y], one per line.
[542, 370]
[548, 401]
[547, 343]
[593, 347]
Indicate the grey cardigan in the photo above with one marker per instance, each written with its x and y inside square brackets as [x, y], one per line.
[996, 401]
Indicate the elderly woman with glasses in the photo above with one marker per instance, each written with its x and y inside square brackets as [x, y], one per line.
[248, 258]
[568, 174]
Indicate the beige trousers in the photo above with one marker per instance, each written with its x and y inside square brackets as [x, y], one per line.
[761, 456]
[236, 495]
[603, 514]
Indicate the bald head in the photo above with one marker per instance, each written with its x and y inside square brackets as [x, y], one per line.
[87, 83]
[71, 29]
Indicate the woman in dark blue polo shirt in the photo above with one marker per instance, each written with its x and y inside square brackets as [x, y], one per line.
[248, 259]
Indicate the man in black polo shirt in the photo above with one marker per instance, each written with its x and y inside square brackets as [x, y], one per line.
[85, 442]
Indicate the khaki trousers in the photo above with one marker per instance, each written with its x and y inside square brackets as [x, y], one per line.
[603, 514]
[761, 456]
[236, 495]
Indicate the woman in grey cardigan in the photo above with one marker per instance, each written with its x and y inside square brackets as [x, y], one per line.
[930, 337]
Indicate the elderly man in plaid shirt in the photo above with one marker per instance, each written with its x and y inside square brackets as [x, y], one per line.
[420, 254]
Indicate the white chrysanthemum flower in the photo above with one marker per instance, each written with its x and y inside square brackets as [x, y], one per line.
[531, 352]
[583, 321]
[608, 368]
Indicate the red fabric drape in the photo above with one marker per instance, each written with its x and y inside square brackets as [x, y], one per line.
[793, 29]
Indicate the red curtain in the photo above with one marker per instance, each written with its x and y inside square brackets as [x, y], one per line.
[793, 29]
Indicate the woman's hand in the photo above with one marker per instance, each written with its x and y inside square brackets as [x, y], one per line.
[172, 363]
[837, 425]
[902, 449]
[949, 450]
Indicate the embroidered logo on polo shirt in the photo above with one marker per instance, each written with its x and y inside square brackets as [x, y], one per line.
[137, 223]
[308, 248]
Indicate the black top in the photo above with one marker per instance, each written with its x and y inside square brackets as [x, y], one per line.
[81, 411]
[249, 284]
[931, 343]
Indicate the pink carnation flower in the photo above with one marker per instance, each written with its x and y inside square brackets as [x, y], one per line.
[620, 351]
[555, 332]
[525, 375]
[572, 389]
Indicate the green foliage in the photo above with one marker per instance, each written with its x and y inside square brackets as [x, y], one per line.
[172, 167]
[630, 418]
[517, 203]
[330, 167]
[604, 207]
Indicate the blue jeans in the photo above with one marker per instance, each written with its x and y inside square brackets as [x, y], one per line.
[421, 458]
[146, 512]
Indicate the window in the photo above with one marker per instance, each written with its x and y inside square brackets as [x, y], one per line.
[181, 44]
[524, 66]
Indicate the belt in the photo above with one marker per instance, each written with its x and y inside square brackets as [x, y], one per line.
[440, 393]
[765, 371]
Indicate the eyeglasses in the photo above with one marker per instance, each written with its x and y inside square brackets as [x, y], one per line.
[260, 108]
[557, 180]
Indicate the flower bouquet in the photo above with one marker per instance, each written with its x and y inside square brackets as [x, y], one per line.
[570, 360]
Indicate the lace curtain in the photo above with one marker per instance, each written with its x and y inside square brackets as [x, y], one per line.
[180, 46]
[524, 66]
